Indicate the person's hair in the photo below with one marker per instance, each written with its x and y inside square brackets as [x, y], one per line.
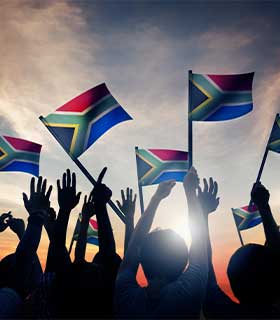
[253, 273]
[163, 254]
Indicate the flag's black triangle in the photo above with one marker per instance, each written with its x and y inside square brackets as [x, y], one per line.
[63, 135]
[198, 97]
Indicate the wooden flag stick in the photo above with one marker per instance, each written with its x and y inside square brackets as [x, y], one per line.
[141, 199]
[85, 172]
[190, 134]
[238, 231]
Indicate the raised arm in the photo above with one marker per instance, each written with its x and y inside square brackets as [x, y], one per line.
[209, 203]
[143, 226]
[87, 213]
[197, 272]
[37, 206]
[128, 208]
[101, 194]
[260, 196]
[68, 198]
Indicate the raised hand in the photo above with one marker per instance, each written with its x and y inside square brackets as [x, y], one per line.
[4, 220]
[260, 195]
[88, 207]
[191, 181]
[67, 196]
[208, 197]
[17, 226]
[164, 189]
[101, 194]
[128, 204]
[39, 201]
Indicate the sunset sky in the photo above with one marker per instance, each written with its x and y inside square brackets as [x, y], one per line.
[51, 51]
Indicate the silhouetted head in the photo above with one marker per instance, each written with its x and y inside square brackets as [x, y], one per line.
[253, 272]
[163, 255]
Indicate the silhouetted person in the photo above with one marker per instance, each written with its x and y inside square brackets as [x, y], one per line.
[172, 291]
[253, 272]
[94, 282]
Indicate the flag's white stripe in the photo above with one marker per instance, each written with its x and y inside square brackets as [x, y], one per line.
[86, 110]
[17, 160]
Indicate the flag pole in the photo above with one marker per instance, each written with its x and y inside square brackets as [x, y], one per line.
[265, 153]
[264, 158]
[85, 172]
[238, 231]
[190, 137]
[140, 188]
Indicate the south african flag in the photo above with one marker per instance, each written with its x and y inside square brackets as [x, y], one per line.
[157, 165]
[80, 122]
[19, 155]
[92, 231]
[220, 97]
[274, 140]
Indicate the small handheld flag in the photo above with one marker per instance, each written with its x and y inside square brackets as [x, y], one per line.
[220, 97]
[274, 139]
[19, 155]
[81, 121]
[246, 217]
[92, 231]
[157, 165]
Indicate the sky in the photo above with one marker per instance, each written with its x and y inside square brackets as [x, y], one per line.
[54, 50]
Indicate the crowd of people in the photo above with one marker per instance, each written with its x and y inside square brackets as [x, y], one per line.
[181, 280]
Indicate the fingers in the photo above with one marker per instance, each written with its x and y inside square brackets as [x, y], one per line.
[68, 178]
[123, 197]
[48, 194]
[199, 191]
[58, 185]
[44, 186]
[74, 180]
[135, 197]
[39, 184]
[205, 189]
[215, 189]
[85, 199]
[127, 193]
[119, 204]
[101, 175]
[64, 180]
[25, 199]
[32, 186]
[211, 185]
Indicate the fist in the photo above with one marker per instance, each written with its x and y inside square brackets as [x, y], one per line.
[260, 195]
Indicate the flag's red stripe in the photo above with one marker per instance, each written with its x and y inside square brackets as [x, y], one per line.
[93, 224]
[170, 155]
[83, 101]
[23, 145]
[235, 82]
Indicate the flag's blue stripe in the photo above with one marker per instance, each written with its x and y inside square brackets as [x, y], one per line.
[107, 122]
[173, 175]
[230, 112]
[93, 240]
[20, 166]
